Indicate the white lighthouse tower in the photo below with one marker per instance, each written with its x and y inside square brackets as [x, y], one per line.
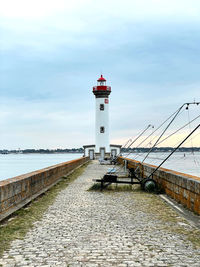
[102, 136]
[102, 148]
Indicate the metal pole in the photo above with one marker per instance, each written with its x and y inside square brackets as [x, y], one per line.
[125, 165]
[173, 151]
[176, 114]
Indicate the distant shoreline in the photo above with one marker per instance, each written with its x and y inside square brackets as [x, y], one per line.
[41, 153]
[81, 151]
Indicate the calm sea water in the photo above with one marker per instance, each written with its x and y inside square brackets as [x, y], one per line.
[12, 165]
[183, 162]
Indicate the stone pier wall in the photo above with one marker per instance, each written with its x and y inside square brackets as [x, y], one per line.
[18, 191]
[184, 188]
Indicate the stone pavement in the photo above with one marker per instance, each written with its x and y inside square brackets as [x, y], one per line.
[113, 228]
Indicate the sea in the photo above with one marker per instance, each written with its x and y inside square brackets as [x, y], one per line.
[187, 162]
[12, 165]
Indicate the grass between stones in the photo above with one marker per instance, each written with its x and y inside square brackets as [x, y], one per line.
[22, 220]
[171, 221]
[114, 188]
[165, 217]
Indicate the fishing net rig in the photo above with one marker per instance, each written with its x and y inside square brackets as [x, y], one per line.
[158, 141]
[149, 183]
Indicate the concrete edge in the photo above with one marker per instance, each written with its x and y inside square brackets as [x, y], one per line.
[192, 218]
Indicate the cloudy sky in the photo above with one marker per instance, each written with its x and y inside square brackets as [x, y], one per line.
[53, 51]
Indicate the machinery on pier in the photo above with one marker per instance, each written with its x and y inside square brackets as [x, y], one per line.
[133, 176]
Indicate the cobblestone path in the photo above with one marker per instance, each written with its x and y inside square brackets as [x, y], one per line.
[114, 228]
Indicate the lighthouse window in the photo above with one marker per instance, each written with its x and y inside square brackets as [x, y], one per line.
[102, 129]
[101, 106]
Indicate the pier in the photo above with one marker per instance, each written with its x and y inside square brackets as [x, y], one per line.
[113, 228]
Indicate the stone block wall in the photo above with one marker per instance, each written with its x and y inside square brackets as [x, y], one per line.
[18, 191]
[184, 188]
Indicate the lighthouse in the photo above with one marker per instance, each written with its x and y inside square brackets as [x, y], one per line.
[102, 136]
[102, 148]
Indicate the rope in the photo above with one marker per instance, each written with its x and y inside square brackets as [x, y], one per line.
[180, 129]
[189, 140]
[189, 123]
[177, 113]
[154, 136]
[151, 175]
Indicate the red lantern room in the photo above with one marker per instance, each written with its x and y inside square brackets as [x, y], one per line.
[101, 81]
[101, 90]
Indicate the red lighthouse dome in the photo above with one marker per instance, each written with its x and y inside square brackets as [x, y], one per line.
[101, 79]
[101, 89]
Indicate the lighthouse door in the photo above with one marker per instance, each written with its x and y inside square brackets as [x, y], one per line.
[113, 153]
[102, 152]
[91, 154]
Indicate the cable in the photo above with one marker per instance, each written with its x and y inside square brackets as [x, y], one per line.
[130, 146]
[179, 129]
[174, 150]
[189, 140]
[139, 136]
[175, 115]
[154, 132]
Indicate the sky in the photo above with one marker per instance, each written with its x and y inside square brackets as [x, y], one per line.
[52, 53]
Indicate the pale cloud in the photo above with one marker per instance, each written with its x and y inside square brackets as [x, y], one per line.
[53, 51]
[43, 124]
[38, 9]
[47, 25]
[127, 8]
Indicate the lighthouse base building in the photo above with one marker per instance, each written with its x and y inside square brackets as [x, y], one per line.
[102, 148]
[90, 151]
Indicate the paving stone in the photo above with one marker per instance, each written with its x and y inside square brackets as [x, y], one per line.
[87, 228]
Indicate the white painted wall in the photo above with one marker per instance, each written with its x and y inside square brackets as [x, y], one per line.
[86, 152]
[102, 119]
